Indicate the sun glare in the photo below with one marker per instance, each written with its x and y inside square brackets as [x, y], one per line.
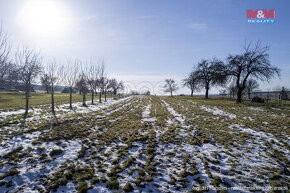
[43, 17]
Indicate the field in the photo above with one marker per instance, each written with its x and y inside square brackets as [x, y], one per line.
[147, 144]
[16, 100]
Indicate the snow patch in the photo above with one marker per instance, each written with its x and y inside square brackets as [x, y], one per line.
[217, 111]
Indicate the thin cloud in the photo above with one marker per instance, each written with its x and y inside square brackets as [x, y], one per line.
[197, 26]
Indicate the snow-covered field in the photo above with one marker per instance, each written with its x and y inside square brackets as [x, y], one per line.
[147, 144]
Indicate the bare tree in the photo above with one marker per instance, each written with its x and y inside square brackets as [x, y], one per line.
[12, 77]
[121, 87]
[79, 86]
[54, 73]
[223, 92]
[45, 82]
[170, 86]
[71, 77]
[283, 93]
[116, 86]
[101, 80]
[253, 62]
[29, 63]
[209, 73]
[93, 76]
[191, 82]
[251, 85]
[83, 84]
[4, 55]
[148, 93]
[108, 83]
[232, 90]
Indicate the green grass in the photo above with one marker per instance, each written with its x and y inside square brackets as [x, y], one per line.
[16, 100]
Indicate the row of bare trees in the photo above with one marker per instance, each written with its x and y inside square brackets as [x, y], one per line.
[26, 68]
[87, 78]
[241, 70]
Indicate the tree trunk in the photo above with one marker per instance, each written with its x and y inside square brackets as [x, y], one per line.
[171, 93]
[70, 97]
[93, 97]
[249, 95]
[52, 98]
[105, 96]
[84, 99]
[191, 94]
[100, 97]
[206, 92]
[239, 95]
[27, 92]
[52, 102]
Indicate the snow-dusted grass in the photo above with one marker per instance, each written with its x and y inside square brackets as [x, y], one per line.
[217, 111]
[148, 144]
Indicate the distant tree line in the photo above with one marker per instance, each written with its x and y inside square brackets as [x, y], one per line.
[134, 92]
[27, 67]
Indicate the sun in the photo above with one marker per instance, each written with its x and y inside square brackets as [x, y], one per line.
[43, 17]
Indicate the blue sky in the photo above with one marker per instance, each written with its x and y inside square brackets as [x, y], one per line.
[144, 42]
